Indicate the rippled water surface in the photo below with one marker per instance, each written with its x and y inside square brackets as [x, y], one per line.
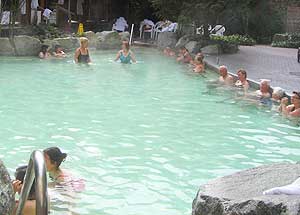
[144, 137]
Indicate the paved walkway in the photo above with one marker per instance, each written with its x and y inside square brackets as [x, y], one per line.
[276, 64]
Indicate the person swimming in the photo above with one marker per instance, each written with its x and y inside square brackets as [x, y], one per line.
[30, 204]
[125, 54]
[53, 159]
[82, 54]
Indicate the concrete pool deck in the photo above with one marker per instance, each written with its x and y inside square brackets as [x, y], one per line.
[263, 62]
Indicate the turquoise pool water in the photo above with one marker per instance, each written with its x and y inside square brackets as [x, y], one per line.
[143, 136]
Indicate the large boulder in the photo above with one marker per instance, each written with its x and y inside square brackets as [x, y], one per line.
[6, 48]
[92, 38]
[193, 47]
[182, 41]
[108, 40]
[7, 196]
[166, 39]
[67, 43]
[211, 49]
[242, 193]
[27, 46]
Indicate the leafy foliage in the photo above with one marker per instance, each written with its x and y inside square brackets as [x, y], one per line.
[235, 39]
[291, 41]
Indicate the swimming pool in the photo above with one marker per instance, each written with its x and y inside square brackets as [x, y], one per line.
[143, 136]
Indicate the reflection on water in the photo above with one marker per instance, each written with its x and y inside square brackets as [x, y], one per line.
[144, 136]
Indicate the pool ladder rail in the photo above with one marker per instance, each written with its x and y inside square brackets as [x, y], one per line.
[36, 170]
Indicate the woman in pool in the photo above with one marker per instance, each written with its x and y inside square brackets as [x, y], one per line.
[82, 54]
[44, 53]
[242, 80]
[125, 54]
[292, 110]
[198, 64]
[53, 159]
[59, 52]
[184, 56]
[30, 204]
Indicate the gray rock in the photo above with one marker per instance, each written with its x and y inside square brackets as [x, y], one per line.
[108, 40]
[67, 43]
[92, 38]
[241, 193]
[193, 47]
[51, 44]
[211, 49]
[6, 48]
[166, 39]
[125, 35]
[7, 196]
[182, 41]
[27, 46]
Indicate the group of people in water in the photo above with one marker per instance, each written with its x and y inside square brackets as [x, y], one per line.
[53, 158]
[82, 54]
[276, 97]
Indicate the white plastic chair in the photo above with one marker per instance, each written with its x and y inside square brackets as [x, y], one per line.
[157, 29]
[146, 23]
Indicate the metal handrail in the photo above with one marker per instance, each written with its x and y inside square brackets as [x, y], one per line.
[36, 170]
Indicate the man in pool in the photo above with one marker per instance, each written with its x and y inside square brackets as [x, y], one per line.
[225, 78]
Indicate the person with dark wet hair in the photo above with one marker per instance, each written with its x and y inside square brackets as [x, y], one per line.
[59, 52]
[30, 204]
[44, 53]
[53, 159]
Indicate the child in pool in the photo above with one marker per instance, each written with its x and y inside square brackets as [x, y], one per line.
[125, 54]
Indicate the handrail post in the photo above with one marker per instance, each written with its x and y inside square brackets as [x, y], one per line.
[36, 170]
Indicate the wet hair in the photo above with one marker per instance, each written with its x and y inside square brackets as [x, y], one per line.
[242, 71]
[20, 175]
[199, 59]
[44, 48]
[55, 155]
[57, 47]
[279, 92]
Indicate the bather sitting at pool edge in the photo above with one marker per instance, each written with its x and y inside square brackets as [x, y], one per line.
[125, 55]
[82, 54]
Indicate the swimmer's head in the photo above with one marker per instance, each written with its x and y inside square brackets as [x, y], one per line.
[84, 42]
[242, 74]
[278, 93]
[125, 45]
[223, 71]
[20, 175]
[58, 48]
[54, 157]
[44, 48]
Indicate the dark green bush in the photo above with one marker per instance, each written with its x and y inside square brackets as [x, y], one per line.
[235, 39]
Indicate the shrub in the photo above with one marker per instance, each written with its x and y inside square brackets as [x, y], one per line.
[291, 41]
[234, 39]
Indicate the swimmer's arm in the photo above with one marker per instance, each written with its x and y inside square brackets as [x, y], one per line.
[295, 113]
[77, 52]
[133, 57]
[118, 56]
[285, 108]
